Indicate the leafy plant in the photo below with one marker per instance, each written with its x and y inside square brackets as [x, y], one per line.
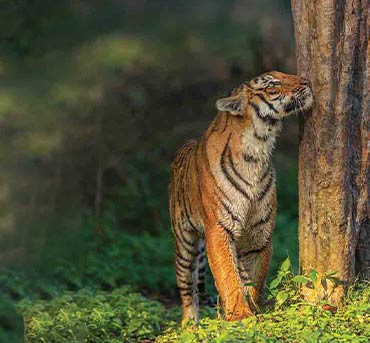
[296, 322]
[87, 316]
[284, 286]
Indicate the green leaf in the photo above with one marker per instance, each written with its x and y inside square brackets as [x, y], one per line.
[313, 276]
[300, 279]
[285, 266]
[251, 284]
[276, 282]
[282, 297]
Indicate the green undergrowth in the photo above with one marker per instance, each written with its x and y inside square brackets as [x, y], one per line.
[105, 262]
[285, 317]
[97, 316]
[124, 315]
[86, 316]
[294, 322]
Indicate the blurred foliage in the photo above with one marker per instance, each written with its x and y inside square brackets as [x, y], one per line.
[87, 85]
[95, 99]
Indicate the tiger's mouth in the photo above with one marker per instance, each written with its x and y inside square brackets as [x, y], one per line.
[301, 102]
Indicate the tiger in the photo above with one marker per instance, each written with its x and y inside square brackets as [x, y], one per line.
[222, 195]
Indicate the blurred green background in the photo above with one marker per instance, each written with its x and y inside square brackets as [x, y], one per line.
[95, 99]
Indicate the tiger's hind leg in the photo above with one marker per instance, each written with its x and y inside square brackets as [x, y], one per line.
[187, 250]
[204, 297]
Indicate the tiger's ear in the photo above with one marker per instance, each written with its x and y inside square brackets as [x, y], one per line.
[232, 105]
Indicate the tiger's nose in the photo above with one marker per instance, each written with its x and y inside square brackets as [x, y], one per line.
[304, 82]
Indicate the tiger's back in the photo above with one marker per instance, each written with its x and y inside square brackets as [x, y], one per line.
[183, 188]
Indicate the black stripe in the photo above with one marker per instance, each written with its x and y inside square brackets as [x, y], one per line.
[183, 258]
[228, 231]
[267, 188]
[272, 108]
[264, 220]
[202, 270]
[189, 284]
[200, 230]
[267, 119]
[226, 122]
[188, 292]
[253, 251]
[185, 203]
[183, 246]
[227, 174]
[184, 240]
[265, 172]
[213, 177]
[250, 158]
[182, 264]
[180, 270]
[201, 258]
[261, 138]
[228, 210]
[232, 164]
[183, 288]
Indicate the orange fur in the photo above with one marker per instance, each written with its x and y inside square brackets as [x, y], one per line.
[222, 191]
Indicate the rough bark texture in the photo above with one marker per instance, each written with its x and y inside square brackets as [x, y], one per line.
[333, 52]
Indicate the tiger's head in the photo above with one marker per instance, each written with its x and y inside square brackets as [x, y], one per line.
[273, 95]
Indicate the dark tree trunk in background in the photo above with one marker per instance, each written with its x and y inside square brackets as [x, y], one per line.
[333, 52]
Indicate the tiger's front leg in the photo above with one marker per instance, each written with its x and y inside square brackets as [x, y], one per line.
[253, 268]
[222, 261]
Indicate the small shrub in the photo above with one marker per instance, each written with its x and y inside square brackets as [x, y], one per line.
[86, 316]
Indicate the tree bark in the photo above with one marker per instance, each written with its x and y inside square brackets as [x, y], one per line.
[333, 52]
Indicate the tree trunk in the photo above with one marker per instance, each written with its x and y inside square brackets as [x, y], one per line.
[333, 52]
